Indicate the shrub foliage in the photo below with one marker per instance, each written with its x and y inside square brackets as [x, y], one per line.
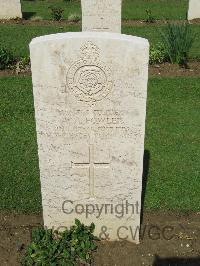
[6, 58]
[56, 13]
[70, 247]
[177, 41]
[158, 54]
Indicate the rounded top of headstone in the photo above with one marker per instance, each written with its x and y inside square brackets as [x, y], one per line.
[90, 35]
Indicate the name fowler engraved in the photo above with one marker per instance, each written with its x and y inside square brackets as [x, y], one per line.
[89, 79]
[99, 117]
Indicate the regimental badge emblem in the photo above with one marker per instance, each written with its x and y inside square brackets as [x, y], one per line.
[88, 78]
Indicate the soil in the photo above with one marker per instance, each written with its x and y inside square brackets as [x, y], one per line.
[41, 22]
[174, 70]
[9, 73]
[166, 239]
[161, 70]
[66, 22]
[156, 22]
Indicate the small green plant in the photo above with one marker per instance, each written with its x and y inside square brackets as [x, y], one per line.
[74, 17]
[6, 58]
[23, 65]
[158, 54]
[149, 16]
[177, 41]
[70, 247]
[56, 13]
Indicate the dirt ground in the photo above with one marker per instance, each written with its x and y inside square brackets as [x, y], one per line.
[166, 239]
[174, 70]
[160, 70]
[66, 22]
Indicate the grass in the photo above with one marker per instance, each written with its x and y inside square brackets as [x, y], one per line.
[172, 138]
[19, 174]
[161, 9]
[41, 8]
[132, 9]
[22, 34]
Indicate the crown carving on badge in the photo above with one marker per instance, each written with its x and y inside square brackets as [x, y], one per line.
[90, 51]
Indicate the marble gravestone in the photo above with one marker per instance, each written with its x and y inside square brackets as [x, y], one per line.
[194, 9]
[101, 15]
[10, 9]
[90, 92]
[90, 101]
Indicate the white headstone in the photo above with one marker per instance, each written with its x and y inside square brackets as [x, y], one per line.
[194, 9]
[90, 94]
[101, 15]
[10, 9]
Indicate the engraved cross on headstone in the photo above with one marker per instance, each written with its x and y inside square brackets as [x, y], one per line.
[101, 15]
[91, 165]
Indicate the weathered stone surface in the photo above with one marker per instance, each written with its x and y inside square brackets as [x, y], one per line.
[90, 94]
[10, 9]
[194, 9]
[101, 15]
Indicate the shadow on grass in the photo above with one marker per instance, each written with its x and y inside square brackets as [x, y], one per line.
[28, 15]
[146, 161]
[176, 261]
